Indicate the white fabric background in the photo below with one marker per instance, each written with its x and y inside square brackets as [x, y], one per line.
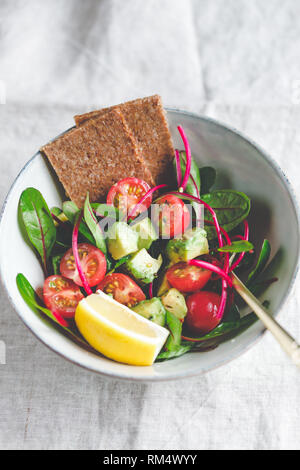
[234, 60]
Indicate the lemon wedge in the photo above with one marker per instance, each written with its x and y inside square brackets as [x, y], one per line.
[118, 332]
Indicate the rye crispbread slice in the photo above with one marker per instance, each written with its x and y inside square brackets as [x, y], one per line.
[95, 156]
[147, 120]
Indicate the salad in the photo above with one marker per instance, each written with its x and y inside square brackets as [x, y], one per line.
[145, 275]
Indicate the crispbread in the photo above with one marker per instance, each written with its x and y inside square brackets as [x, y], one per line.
[147, 120]
[95, 156]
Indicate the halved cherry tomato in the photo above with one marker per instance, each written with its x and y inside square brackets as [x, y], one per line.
[61, 295]
[172, 216]
[186, 278]
[125, 194]
[122, 288]
[213, 260]
[93, 263]
[202, 312]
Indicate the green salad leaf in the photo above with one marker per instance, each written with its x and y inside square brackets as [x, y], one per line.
[28, 293]
[177, 351]
[173, 347]
[119, 263]
[231, 207]
[229, 327]
[208, 177]
[239, 246]
[232, 325]
[71, 211]
[38, 223]
[92, 223]
[56, 211]
[194, 175]
[263, 259]
[106, 210]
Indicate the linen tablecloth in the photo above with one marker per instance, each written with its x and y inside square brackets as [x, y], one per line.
[236, 61]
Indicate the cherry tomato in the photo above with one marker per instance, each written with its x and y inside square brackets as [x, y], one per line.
[186, 278]
[202, 312]
[127, 193]
[93, 263]
[122, 288]
[172, 217]
[61, 296]
[213, 260]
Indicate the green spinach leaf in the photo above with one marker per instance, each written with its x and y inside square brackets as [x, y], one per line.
[28, 293]
[106, 210]
[119, 263]
[195, 174]
[231, 207]
[71, 211]
[92, 223]
[263, 259]
[175, 352]
[232, 327]
[239, 246]
[208, 177]
[38, 223]
[226, 330]
[56, 211]
[173, 347]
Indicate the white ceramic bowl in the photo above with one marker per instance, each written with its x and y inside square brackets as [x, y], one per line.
[241, 165]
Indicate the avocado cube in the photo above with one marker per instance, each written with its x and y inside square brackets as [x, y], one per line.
[122, 240]
[174, 302]
[152, 310]
[193, 243]
[143, 267]
[146, 233]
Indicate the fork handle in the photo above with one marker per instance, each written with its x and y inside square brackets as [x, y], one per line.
[286, 341]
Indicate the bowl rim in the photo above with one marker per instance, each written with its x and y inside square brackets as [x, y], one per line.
[197, 372]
